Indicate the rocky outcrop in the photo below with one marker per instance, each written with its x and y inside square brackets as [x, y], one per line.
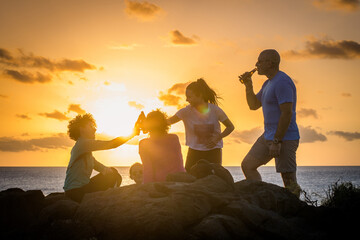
[206, 208]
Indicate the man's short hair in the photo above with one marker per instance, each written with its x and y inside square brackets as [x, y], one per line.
[273, 56]
[76, 123]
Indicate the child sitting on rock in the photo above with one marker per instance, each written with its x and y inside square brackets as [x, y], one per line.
[78, 182]
[161, 152]
[136, 173]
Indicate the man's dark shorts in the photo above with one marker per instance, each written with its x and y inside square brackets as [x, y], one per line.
[285, 163]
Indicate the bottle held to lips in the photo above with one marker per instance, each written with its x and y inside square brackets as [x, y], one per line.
[241, 78]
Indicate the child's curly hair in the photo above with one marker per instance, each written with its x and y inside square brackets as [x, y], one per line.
[160, 117]
[77, 122]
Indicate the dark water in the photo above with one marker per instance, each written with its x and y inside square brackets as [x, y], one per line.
[314, 180]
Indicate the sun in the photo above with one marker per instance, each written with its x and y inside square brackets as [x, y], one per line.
[114, 116]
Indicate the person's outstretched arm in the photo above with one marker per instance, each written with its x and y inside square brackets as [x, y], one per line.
[97, 145]
[173, 119]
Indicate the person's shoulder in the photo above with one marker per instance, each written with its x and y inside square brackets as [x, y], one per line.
[143, 141]
[183, 110]
[173, 136]
[284, 76]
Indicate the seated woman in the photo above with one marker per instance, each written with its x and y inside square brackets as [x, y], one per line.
[161, 152]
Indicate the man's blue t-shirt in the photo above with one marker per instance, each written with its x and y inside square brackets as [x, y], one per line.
[278, 90]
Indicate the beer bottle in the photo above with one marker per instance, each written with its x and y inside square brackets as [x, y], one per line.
[241, 79]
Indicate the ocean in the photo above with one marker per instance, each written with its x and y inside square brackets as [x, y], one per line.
[314, 180]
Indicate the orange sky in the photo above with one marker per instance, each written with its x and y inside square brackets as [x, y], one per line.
[116, 58]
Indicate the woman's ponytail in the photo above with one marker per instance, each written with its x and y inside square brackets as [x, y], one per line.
[200, 87]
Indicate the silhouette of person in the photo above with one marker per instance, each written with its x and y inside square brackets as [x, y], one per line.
[202, 119]
[280, 140]
[136, 173]
[78, 182]
[161, 152]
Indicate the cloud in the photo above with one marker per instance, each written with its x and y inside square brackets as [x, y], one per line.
[330, 49]
[143, 11]
[177, 38]
[3, 96]
[55, 115]
[28, 68]
[57, 141]
[348, 136]
[179, 88]
[5, 54]
[170, 100]
[246, 136]
[29, 60]
[310, 135]
[27, 77]
[306, 112]
[76, 108]
[174, 95]
[136, 105]
[341, 5]
[73, 65]
[346, 94]
[23, 116]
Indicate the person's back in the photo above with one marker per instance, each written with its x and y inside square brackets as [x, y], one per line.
[161, 152]
[160, 156]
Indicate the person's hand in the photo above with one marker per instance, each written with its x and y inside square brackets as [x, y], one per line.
[136, 131]
[213, 140]
[274, 149]
[246, 78]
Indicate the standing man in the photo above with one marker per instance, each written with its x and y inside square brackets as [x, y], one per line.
[280, 140]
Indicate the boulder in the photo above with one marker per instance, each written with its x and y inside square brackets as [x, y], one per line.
[19, 210]
[206, 208]
[133, 213]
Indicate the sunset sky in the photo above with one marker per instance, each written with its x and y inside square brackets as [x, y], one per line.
[115, 58]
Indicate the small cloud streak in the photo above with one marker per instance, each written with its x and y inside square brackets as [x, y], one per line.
[310, 135]
[348, 136]
[307, 112]
[3, 96]
[55, 115]
[76, 108]
[27, 77]
[143, 11]
[346, 94]
[327, 49]
[338, 5]
[57, 141]
[23, 116]
[177, 38]
[136, 105]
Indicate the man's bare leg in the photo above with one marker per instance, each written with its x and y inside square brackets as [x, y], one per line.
[290, 183]
[249, 167]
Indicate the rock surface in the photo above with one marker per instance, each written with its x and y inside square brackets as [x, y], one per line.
[206, 208]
